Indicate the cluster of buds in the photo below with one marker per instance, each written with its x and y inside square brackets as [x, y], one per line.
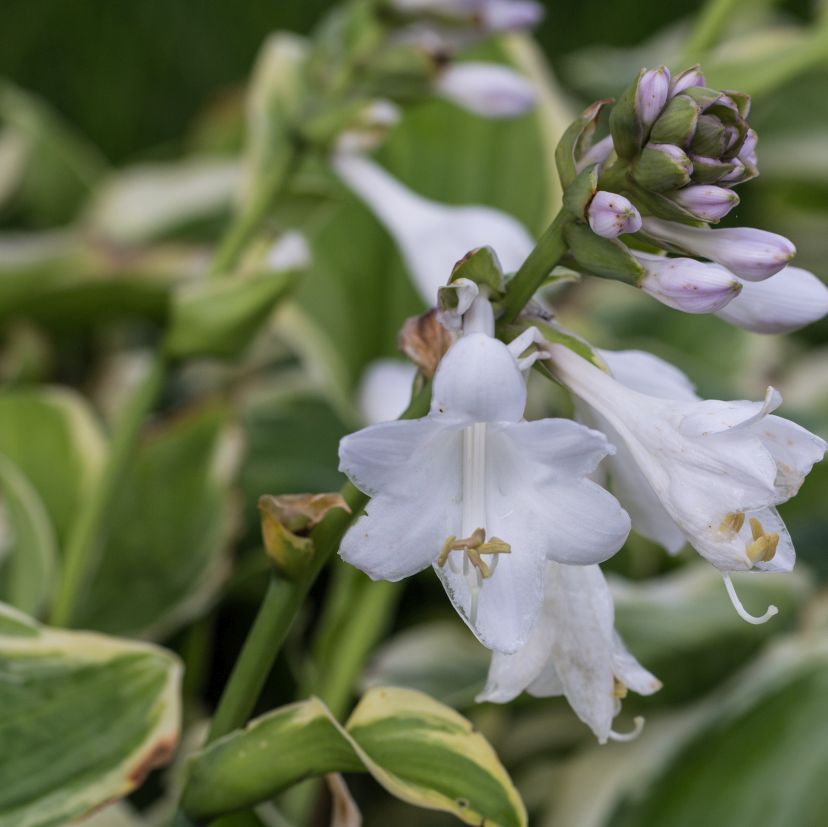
[665, 172]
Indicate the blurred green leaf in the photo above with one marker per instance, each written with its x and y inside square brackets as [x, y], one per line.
[172, 519]
[64, 459]
[85, 718]
[27, 571]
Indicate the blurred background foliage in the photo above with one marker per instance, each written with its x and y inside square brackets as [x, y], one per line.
[122, 129]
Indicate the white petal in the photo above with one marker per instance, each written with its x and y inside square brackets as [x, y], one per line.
[406, 523]
[385, 389]
[794, 449]
[772, 523]
[566, 448]
[629, 671]
[487, 89]
[431, 236]
[479, 380]
[713, 417]
[648, 374]
[791, 299]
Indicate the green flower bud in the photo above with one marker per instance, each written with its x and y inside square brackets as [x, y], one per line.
[662, 168]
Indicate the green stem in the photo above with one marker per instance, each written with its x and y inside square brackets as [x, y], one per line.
[709, 24]
[533, 272]
[246, 223]
[93, 520]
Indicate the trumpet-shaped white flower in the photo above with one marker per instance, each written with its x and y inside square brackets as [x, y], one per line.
[791, 299]
[481, 495]
[431, 236]
[487, 89]
[709, 471]
[574, 651]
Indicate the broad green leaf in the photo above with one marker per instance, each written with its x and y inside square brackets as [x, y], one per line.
[429, 755]
[418, 749]
[27, 572]
[171, 521]
[84, 718]
[271, 753]
[53, 438]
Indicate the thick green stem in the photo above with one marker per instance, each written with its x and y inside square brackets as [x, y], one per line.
[92, 523]
[533, 272]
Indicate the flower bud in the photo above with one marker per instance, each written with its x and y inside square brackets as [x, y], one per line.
[611, 214]
[662, 168]
[748, 253]
[487, 89]
[689, 77]
[707, 202]
[791, 299]
[686, 284]
[651, 95]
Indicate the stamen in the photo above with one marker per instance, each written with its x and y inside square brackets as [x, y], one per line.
[474, 546]
[756, 528]
[638, 722]
[733, 522]
[619, 690]
[763, 547]
[740, 609]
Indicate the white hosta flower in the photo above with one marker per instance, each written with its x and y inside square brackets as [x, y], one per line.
[431, 236]
[709, 471]
[385, 389]
[574, 651]
[686, 284]
[480, 494]
[791, 299]
[487, 89]
[751, 254]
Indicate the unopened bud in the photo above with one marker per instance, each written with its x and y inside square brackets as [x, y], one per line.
[611, 214]
[686, 284]
[487, 89]
[651, 95]
[707, 202]
[689, 77]
[748, 253]
[662, 168]
[791, 299]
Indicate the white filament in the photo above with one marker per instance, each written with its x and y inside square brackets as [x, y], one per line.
[741, 610]
[474, 498]
[638, 722]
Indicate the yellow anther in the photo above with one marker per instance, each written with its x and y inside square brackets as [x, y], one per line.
[474, 546]
[756, 528]
[733, 522]
[619, 690]
[763, 548]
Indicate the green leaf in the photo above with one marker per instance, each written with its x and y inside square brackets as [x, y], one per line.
[271, 753]
[85, 717]
[172, 518]
[28, 572]
[67, 429]
[419, 750]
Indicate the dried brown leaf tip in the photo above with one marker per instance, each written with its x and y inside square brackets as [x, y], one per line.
[425, 341]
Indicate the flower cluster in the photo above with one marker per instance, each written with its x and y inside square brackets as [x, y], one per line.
[507, 512]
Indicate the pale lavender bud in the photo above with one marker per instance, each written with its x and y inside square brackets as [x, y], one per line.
[487, 89]
[596, 154]
[747, 252]
[783, 303]
[651, 94]
[611, 214]
[747, 152]
[707, 202]
[686, 284]
[511, 15]
[686, 79]
[736, 173]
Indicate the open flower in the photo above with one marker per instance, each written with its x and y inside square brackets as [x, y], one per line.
[574, 651]
[481, 495]
[431, 236]
[714, 470]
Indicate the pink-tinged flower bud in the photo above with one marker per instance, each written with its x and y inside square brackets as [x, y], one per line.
[747, 152]
[651, 95]
[689, 77]
[748, 253]
[791, 299]
[707, 202]
[511, 15]
[487, 89]
[686, 284]
[611, 214]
